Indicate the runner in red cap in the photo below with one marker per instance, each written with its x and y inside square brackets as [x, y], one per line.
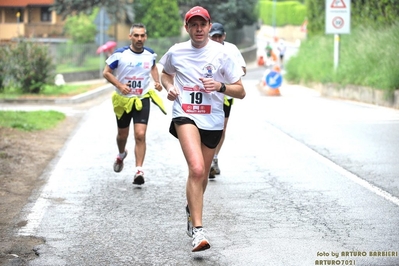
[197, 11]
[194, 73]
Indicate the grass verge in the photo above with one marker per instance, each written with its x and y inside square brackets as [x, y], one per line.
[39, 120]
[30, 121]
[51, 91]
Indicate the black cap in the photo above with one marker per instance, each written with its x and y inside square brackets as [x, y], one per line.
[217, 28]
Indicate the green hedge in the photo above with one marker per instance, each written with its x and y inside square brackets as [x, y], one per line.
[287, 12]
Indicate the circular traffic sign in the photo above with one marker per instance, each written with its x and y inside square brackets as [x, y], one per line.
[274, 79]
[338, 22]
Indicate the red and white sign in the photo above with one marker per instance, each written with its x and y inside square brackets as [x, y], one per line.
[338, 22]
[338, 4]
[338, 16]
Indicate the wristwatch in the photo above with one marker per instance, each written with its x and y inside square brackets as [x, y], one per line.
[222, 88]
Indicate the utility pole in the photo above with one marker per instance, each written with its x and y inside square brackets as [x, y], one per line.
[274, 18]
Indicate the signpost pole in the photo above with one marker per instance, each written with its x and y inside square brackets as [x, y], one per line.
[274, 18]
[102, 11]
[336, 51]
[338, 17]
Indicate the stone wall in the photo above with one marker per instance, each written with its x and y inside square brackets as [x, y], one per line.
[289, 33]
[359, 93]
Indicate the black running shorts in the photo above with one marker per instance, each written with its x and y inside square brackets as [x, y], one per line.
[209, 138]
[140, 117]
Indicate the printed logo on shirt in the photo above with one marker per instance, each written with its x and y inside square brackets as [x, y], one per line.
[208, 70]
[138, 64]
[145, 65]
[134, 78]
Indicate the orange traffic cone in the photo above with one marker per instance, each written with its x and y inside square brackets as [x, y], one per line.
[261, 61]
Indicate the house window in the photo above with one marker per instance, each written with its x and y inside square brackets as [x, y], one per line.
[19, 14]
[45, 14]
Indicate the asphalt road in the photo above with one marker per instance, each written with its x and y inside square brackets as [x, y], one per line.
[304, 181]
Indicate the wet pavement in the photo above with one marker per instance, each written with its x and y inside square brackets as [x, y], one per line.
[285, 196]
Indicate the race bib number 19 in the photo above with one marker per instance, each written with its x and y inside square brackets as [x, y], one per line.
[195, 100]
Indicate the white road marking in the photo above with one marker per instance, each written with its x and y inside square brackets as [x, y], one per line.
[358, 180]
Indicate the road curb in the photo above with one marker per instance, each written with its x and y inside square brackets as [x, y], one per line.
[89, 95]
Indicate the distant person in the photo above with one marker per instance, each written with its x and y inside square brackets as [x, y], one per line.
[281, 48]
[268, 50]
[198, 74]
[218, 34]
[129, 69]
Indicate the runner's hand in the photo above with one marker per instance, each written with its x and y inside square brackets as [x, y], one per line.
[158, 86]
[173, 93]
[124, 89]
[210, 84]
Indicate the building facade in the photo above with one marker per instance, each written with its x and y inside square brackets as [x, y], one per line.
[29, 19]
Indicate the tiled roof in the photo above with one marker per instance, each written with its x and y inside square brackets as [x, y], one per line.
[23, 3]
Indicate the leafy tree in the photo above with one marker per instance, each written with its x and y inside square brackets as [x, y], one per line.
[234, 14]
[81, 28]
[161, 17]
[380, 13]
[316, 16]
[116, 7]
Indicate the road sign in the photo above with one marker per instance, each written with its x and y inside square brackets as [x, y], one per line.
[338, 22]
[338, 16]
[274, 79]
[338, 4]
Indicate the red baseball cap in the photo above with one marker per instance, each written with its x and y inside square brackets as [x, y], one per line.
[197, 11]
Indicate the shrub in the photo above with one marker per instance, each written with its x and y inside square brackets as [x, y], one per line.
[31, 66]
[4, 54]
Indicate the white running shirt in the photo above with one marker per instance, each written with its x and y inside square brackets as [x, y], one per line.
[188, 64]
[133, 68]
[232, 48]
[236, 52]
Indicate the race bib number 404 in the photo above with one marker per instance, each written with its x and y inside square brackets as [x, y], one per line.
[135, 87]
[195, 100]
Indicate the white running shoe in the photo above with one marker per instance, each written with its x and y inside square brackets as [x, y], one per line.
[118, 164]
[200, 242]
[189, 223]
[215, 170]
[138, 178]
[215, 166]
